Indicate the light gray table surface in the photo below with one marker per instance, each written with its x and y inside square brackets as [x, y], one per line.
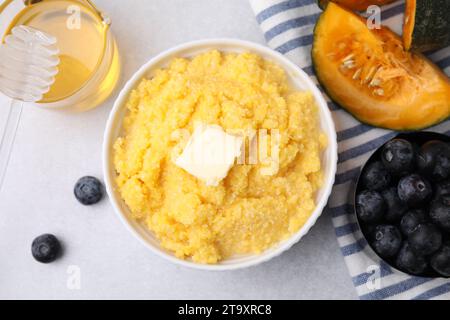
[54, 149]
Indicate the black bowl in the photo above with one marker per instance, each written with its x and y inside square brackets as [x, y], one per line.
[418, 138]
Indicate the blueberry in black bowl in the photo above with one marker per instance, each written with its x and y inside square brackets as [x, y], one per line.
[426, 239]
[414, 190]
[375, 176]
[370, 206]
[395, 208]
[440, 212]
[409, 228]
[409, 261]
[46, 248]
[398, 156]
[88, 190]
[440, 261]
[441, 188]
[411, 220]
[387, 240]
[433, 160]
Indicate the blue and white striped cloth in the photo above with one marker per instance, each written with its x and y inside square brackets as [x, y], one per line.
[288, 27]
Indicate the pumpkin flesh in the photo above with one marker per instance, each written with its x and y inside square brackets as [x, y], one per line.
[369, 73]
[355, 4]
[408, 23]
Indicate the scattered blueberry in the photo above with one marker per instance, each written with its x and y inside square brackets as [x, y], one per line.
[411, 220]
[395, 208]
[433, 160]
[370, 206]
[376, 177]
[425, 239]
[45, 248]
[409, 261]
[440, 212]
[414, 190]
[88, 190]
[398, 156]
[440, 261]
[387, 240]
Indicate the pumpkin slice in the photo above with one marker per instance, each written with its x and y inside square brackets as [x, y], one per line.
[355, 4]
[426, 24]
[369, 73]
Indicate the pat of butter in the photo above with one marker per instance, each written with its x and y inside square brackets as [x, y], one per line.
[210, 153]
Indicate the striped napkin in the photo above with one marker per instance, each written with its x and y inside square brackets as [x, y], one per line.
[288, 27]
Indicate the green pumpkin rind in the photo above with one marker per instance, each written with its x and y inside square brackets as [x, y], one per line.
[431, 28]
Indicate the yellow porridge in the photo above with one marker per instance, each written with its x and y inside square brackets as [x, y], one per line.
[249, 210]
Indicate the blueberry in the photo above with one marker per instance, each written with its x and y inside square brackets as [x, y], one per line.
[395, 208]
[387, 241]
[411, 220]
[45, 248]
[442, 188]
[409, 261]
[398, 156]
[414, 190]
[433, 160]
[375, 176]
[440, 261]
[370, 206]
[88, 190]
[425, 239]
[440, 212]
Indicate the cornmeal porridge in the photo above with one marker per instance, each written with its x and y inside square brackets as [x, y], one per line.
[249, 210]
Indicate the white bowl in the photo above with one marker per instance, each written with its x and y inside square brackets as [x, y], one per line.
[297, 77]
